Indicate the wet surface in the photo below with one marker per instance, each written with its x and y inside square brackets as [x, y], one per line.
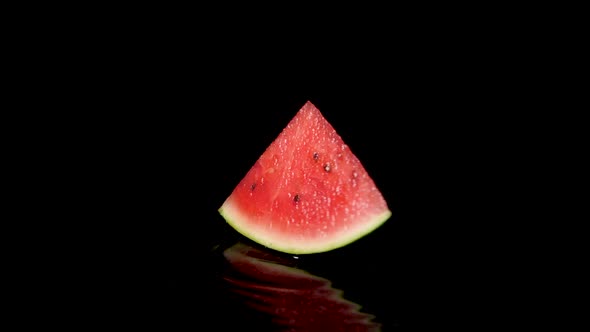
[275, 293]
[240, 283]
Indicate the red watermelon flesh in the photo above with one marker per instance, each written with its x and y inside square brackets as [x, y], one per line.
[307, 192]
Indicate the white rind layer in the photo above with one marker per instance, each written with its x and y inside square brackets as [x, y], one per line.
[294, 245]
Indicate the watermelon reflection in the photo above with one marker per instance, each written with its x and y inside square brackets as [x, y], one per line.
[272, 287]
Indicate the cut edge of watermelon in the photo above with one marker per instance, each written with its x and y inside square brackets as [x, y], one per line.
[274, 241]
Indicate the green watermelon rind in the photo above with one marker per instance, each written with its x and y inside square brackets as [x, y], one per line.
[290, 245]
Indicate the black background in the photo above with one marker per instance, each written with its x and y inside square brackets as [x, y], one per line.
[153, 131]
[171, 151]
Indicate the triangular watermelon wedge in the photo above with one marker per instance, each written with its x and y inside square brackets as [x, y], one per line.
[307, 193]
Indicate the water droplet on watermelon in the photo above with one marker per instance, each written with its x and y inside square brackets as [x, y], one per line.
[327, 167]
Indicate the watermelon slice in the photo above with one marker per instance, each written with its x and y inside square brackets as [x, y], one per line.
[307, 193]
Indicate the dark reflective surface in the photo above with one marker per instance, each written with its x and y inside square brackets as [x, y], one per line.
[277, 295]
[235, 283]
